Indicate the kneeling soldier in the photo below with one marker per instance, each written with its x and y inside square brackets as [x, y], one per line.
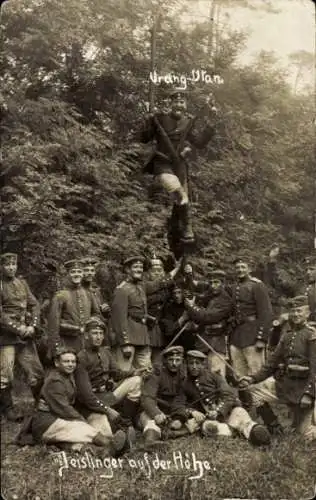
[163, 399]
[58, 421]
[214, 405]
[99, 373]
[289, 375]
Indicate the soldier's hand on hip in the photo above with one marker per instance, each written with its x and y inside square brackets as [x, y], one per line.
[306, 401]
[160, 418]
[198, 416]
[260, 345]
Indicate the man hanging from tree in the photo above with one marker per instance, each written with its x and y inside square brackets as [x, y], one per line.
[174, 131]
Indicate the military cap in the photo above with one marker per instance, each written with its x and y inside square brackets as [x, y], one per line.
[155, 259]
[131, 260]
[8, 257]
[173, 350]
[94, 322]
[90, 261]
[196, 354]
[246, 259]
[72, 264]
[217, 273]
[177, 93]
[62, 349]
[298, 301]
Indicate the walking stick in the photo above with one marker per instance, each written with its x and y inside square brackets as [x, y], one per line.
[263, 391]
[177, 336]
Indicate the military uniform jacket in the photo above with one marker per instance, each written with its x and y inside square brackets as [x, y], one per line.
[293, 364]
[311, 297]
[252, 311]
[163, 391]
[160, 162]
[16, 300]
[69, 311]
[213, 319]
[157, 292]
[210, 391]
[170, 326]
[96, 367]
[128, 314]
[57, 400]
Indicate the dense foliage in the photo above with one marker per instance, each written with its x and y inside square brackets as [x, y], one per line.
[74, 81]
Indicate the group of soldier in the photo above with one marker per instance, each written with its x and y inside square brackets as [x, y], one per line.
[170, 356]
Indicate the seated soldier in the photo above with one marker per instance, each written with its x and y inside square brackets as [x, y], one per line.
[163, 400]
[56, 419]
[214, 405]
[173, 318]
[98, 372]
[289, 375]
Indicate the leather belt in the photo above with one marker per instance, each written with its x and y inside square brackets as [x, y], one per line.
[142, 320]
[252, 317]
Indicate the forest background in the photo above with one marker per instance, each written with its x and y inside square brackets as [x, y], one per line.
[74, 79]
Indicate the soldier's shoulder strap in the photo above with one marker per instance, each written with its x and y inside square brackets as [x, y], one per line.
[255, 280]
[122, 284]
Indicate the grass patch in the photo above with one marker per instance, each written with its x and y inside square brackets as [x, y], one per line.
[232, 469]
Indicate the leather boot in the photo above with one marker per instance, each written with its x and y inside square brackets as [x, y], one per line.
[270, 419]
[187, 233]
[110, 446]
[36, 390]
[245, 398]
[173, 434]
[152, 438]
[6, 406]
[259, 435]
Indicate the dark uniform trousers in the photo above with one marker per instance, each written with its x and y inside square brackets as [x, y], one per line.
[289, 373]
[16, 300]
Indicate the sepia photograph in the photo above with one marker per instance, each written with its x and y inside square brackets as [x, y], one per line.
[158, 249]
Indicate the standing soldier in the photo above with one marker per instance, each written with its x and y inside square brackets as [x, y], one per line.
[289, 375]
[175, 319]
[69, 311]
[16, 338]
[174, 133]
[89, 272]
[129, 318]
[213, 318]
[253, 318]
